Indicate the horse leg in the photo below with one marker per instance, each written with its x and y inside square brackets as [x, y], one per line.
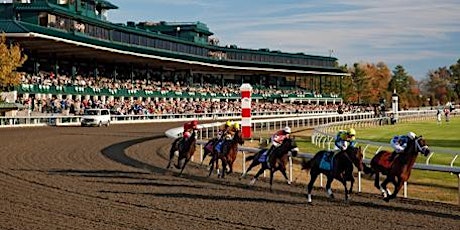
[328, 187]
[377, 180]
[283, 171]
[224, 168]
[183, 166]
[349, 177]
[398, 183]
[217, 164]
[211, 168]
[343, 179]
[252, 165]
[384, 189]
[205, 154]
[272, 172]
[171, 155]
[256, 177]
[230, 167]
[313, 176]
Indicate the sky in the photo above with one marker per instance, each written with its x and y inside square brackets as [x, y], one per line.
[420, 35]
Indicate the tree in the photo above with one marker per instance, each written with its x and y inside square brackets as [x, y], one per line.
[358, 78]
[438, 85]
[376, 82]
[11, 57]
[399, 81]
[455, 78]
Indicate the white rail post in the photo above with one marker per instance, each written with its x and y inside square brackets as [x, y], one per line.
[405, 189]
[201, 153]
[458, 175]
[243, 162]
[359, 182]
[290, 169]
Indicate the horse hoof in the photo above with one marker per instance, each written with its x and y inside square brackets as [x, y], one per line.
[386, 199]
[253, 181]
[331, 196]
[310, 203]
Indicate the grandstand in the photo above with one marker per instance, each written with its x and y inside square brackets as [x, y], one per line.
[71, 43]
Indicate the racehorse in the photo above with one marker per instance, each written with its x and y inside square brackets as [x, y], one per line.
[227, 155]
[279, 159]
[341, 168]
[397, 171]
[185, 149]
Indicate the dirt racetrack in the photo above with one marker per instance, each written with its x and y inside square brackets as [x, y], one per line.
[115, 178]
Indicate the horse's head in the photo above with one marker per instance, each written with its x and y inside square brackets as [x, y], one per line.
[421, 146]
[239, 137]
[356, 156]
[290, 145]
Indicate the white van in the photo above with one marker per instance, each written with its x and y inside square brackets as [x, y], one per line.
[96, 117]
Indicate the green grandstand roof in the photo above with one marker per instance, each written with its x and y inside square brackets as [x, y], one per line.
[10, 26]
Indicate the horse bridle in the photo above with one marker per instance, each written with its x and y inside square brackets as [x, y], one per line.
[420, 148]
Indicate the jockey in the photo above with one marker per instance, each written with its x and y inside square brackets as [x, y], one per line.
[343, 139]
[232, 129]
[277, 139]
[399, 143]
[222, 135]
[189, 127]
[223, 129]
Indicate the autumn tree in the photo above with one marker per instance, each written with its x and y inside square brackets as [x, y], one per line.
[376, 82]
[11, 57]
[438, 86]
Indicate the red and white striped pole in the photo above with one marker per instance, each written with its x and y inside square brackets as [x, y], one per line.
[246, 90]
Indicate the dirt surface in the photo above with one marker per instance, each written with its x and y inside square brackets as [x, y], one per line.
[115, 178]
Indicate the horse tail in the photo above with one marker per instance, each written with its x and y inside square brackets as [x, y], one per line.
[306, 165]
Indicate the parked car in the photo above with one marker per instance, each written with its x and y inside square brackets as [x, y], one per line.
[96, 117]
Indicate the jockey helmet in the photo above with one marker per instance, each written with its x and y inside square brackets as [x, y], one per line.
[411, 135]
[236, 125]
[194, 122]
[228, 123]
[187, 134]
[351, 132]
[287, 129]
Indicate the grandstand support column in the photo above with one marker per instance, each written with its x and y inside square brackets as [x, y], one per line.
[246, 90]
[321, 85]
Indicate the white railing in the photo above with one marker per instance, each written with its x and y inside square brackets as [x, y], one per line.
[74, 120]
